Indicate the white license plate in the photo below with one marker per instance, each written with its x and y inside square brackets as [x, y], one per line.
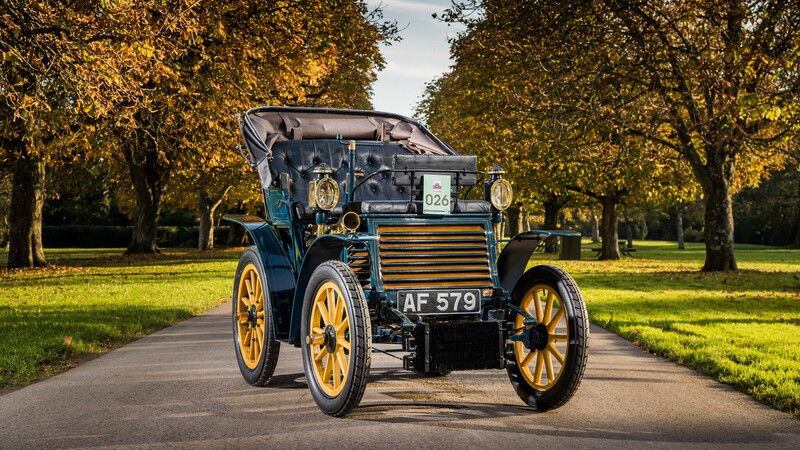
[450, 301]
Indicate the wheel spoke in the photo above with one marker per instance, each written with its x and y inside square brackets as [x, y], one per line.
[559, 337]
[548, 363]
[538, 305]
[537, 375]
[326, 373]
[548, 309]
[331, 304]
[337, 316]
[247, 337]
[323, 312]
[335, 371]
[259, 295]
[318, 356]
[249, 287]
[528, 359]
[342, 327]
[246, 301]
[344, 344]
[554, 322]
[260, 315]
[552, 347]
[340, 356]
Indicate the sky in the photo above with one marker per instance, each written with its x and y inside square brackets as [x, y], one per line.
[422, 55]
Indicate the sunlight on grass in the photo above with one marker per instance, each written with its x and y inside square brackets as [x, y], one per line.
[742, 328]
[93, 300]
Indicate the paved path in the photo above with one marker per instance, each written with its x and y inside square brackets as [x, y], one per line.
[180, 387]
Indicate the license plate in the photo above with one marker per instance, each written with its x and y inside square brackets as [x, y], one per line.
[459, 301]
[435, 194]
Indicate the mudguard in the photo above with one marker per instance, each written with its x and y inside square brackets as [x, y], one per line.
[516, 254]
[324, 248]
[276, 269]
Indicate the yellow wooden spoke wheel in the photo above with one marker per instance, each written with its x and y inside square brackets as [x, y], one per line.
[250, 316]
[256, 347]
[550, 339]
[337, 344]
[329, 338]
[542, 357]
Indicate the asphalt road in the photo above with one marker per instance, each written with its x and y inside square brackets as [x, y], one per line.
[180, 387]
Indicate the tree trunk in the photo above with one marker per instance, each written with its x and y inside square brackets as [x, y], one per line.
[679, 228]
[609, 228]
[718, 232]
[552, 209]
[796, 242]
[207, 207]
[25, 215]
[512, 221]
[628, 230]
[595, 227]
[149, 179]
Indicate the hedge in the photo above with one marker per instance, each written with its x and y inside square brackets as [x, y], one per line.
[96, 236]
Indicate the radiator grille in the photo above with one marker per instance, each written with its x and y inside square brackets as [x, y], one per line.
[358, 260]
[422, 256]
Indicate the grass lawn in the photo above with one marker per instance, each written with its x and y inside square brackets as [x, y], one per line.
[93, 300]
[742, 328]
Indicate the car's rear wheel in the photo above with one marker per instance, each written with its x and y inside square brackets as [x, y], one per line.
[256, 348]
[337, 345]
[549, 347]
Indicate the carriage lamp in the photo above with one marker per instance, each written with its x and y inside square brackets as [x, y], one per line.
[324, 192]
[500, 191]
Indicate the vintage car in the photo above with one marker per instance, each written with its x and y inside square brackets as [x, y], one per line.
[373, 234]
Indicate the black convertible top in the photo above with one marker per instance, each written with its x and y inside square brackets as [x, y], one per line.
[262, 127]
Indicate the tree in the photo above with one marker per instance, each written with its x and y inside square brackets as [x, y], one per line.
[223, 57]
[62, 67]
[469, 108]
[494, 104]
[714, 83]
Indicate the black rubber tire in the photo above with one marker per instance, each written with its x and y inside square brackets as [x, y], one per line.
[261, 375]
[578, 345]
[360, 338]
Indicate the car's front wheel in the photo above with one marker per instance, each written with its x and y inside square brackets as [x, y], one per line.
[550, 340]
[337, 346]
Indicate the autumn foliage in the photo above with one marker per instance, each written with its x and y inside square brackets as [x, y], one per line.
[155, 85]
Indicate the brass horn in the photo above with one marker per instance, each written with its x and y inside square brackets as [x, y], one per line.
[350, 221]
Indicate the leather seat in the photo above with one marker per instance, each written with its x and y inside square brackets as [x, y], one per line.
[378, 195]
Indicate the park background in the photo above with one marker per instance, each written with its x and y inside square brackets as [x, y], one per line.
[669, 126]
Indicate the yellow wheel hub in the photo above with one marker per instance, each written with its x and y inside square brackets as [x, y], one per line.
[543, 363]
[250, 316]
[329, 339]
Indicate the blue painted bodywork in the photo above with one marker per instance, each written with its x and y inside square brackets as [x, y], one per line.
[277, 270]
[288, 264]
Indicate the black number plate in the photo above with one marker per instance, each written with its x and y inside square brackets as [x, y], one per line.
[449, 301]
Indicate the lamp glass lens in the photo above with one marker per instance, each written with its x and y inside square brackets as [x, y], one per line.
[502, 194]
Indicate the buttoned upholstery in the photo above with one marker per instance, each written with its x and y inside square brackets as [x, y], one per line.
[378, 194]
